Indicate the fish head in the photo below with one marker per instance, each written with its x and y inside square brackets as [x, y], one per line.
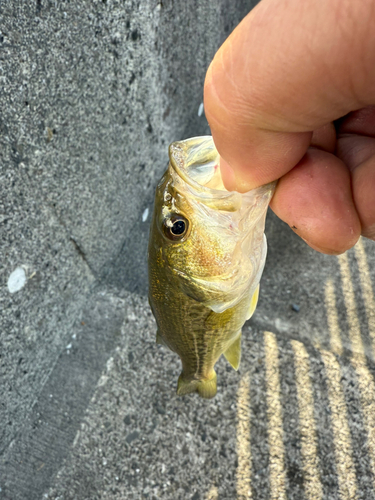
[208, 240]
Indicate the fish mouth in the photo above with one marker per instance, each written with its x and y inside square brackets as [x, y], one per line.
[197, 164]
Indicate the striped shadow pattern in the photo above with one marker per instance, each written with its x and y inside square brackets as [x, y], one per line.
[317, 440]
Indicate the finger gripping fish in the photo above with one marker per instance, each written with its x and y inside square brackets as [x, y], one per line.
[207, 250]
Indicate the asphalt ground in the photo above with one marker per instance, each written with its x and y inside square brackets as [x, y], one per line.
[297, 421]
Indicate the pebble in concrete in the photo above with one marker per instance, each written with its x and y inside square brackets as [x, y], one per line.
[17, 280]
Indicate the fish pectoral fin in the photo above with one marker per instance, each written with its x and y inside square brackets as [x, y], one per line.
[160, 340]
[233, 353]
[206, 388]
[253, 302]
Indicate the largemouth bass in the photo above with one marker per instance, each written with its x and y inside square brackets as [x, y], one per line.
[207, 251]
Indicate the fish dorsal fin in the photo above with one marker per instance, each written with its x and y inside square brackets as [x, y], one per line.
[233, 353]
[253, 302]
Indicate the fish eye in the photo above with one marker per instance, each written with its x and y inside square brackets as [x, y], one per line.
[178, 227]
[175, 227]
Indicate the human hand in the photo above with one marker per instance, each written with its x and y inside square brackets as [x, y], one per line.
[290, 95]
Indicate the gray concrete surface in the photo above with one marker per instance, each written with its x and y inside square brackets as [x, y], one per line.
[91, 95]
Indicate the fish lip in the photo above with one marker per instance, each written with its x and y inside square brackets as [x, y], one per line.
[180, 154]
[187, 153]
[183, 154]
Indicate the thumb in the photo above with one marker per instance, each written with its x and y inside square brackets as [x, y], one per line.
[289, 68]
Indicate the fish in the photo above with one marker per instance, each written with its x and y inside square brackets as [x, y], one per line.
[206, 255]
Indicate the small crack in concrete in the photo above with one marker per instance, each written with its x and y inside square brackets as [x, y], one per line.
[83, 255]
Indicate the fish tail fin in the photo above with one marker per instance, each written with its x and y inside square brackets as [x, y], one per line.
[186, 386]
[233, 353]
[206, 388]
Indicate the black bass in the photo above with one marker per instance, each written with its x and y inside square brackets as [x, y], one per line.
[207, 251]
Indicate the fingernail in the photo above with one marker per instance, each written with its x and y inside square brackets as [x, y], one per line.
[227, 174]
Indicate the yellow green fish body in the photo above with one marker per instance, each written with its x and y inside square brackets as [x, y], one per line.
[206, 255]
